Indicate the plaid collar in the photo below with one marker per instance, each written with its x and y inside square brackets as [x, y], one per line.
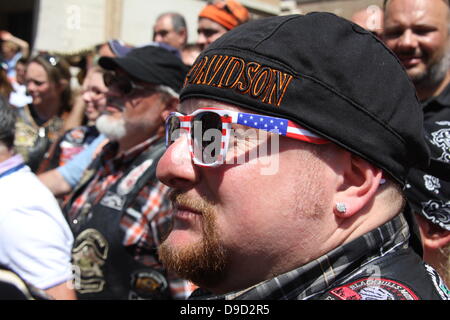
[115, 161]
[317, 276]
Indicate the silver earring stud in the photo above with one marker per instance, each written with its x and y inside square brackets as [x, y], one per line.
[340, 207]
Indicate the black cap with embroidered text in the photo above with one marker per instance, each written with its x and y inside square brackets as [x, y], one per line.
[324, 73]
[152, 64]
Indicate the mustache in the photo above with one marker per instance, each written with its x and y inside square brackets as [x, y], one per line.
[181, 199]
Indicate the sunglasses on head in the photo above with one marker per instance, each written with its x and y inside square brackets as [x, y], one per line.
[125, 85]
[209, 129]
[53, 60]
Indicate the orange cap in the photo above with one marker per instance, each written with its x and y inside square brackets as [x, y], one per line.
[227, 13]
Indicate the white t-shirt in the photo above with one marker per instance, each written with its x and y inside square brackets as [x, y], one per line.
[35, 239]
[19, 97]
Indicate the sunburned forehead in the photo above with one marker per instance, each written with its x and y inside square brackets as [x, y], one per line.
[417, 8]
[36, 71]
[387, 2]
[417, 11]
[190, 105]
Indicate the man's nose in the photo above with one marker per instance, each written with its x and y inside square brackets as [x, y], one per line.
[201, 40]
[31, 86]
[157, 38]
[86, 96]
[408, 40]
[175, 168]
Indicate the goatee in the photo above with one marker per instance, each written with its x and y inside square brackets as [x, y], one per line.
[203, 262]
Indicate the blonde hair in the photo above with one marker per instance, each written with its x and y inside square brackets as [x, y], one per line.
[445, 265]
[11, 45]
[57, 69]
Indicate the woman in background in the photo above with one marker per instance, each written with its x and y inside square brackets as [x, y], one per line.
[5, 86]
[75, 140]
[40, 123]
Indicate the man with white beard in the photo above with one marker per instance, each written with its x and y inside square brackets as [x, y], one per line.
[119, 211]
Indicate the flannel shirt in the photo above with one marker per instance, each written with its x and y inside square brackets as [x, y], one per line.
[316, 277]
[146, 220]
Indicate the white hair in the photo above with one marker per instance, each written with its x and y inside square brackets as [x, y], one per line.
[168, 90]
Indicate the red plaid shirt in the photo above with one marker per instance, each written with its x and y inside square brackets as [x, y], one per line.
[146, 219]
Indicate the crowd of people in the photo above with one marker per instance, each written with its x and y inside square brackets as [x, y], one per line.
[290, 157]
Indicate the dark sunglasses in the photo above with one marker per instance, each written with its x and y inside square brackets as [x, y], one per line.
[208, 131]
[207, 32]
[124, 84]
[162, 33]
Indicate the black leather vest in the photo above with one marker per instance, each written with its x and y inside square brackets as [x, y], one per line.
[401, 275]
[104, 268]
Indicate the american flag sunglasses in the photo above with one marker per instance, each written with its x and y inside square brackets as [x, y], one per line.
[208, 130]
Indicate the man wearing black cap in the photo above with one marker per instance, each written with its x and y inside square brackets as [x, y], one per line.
[326, 221]
[119, 210]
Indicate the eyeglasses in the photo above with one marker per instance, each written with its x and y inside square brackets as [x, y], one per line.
[162, 33]
[209, 129]
[207, 32]
[124, 84]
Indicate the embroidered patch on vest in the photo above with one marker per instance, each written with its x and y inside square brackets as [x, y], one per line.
[26, 135]
[372, 289]
[127, 183]
[89, 255]
[250, 78]
[76, 135]
[113, 201]
[147, 284]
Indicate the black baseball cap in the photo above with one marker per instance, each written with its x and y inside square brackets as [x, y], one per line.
[152, 64]
[119, 48]
[324, 73]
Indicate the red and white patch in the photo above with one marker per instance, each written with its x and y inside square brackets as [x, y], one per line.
[373, 289]
[76, 135]
[68, 153]
[127, 184]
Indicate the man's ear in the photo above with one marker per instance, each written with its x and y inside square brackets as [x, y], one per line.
[170, 106]
[182, 32]
[358, 187]
[433, 236]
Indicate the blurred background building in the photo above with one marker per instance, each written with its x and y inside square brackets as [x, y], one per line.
[69, 26]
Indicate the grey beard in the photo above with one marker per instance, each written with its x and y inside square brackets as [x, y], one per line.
[113, 129]
[435, 74]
